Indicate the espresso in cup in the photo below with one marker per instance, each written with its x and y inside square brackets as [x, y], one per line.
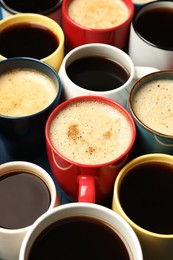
[97, 73]
[23, 198]
[152, 104]
[25, 91]
[100, 240]
[98, 14]
[90, 132]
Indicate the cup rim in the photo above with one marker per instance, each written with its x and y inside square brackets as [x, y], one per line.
[91, 98]
[46, 178]
[66, 3]
[130, 101]
[44, 12]
[156, 157]
[43, 64]
[78, 207]
[141, 10]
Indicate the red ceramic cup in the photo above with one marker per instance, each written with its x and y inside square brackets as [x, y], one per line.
[84, 181]
[77, 34]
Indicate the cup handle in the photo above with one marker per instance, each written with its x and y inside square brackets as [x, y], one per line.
[143, 71]
[86, 189]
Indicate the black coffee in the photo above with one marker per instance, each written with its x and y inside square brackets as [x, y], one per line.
[27, 39]
[31, 6]
[97, 73]
[146, 195]
[23, 198]
[78, 238]
[155, 26]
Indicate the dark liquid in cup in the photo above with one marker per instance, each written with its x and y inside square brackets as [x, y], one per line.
[146, 195]
[28, 40]
[31, 6]
[97, 73]
[23, 198]
[78, 238]
[155, 26]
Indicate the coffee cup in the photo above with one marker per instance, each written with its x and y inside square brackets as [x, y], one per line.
[26, 192]
[88, 139]
[150, 104]
[29, 91]
[97, 21]
[49, 8]
[96, 231]
[150, 43]
[32, 35]
[99, 69]
[143, 197]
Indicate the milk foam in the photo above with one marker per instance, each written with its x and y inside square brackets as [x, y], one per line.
[153, 105]
[90, 132]
[98, 14]
[24, 92]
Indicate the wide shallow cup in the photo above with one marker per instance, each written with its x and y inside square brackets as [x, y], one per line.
[11, 237]
[23, 135]
[99, 78]
[52, 8]
[81, 214]
[143, 197]
[77, 34]
[150, 43]
[150, 104]
[89, 145]
[45, 44]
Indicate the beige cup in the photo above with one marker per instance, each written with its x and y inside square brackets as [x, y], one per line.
[55, 58]
[12, 231]
[142, 196]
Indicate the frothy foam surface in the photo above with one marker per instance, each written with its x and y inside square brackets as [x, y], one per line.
[24, 92]
[90, 132]
[153, 105]
[98, 14]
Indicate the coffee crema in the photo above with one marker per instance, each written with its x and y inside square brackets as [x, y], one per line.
[23, 198]
[24, 92]
[97, 73]
[98, 14]
[84, 237]
[90, 132]
[152, 104]
[27, 40]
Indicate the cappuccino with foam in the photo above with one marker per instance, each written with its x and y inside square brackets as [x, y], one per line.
[91, 132]
[98, 14]
[24, 92]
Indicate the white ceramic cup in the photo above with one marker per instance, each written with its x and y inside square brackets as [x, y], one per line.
[145, 49]
[11, 239]
[97, 212]
[120, 94]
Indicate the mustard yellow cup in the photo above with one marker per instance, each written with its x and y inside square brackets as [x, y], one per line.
[143, 196]
[32, 35]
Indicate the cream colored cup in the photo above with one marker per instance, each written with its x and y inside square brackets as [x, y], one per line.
[54, 59]
[155, 245]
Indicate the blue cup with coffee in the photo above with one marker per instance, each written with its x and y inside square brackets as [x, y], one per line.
[29, 90]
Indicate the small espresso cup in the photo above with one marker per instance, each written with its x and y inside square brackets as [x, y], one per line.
[143, 196]
[89, 139]
[32, 35]
[26, 192]
[29, 90]
[99, 69]
[96, 21]
[150, 41]
[50, 8]
[150, 104]
[96, 231]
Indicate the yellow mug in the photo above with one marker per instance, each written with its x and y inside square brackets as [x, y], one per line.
[143, 196]
[32, 35]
